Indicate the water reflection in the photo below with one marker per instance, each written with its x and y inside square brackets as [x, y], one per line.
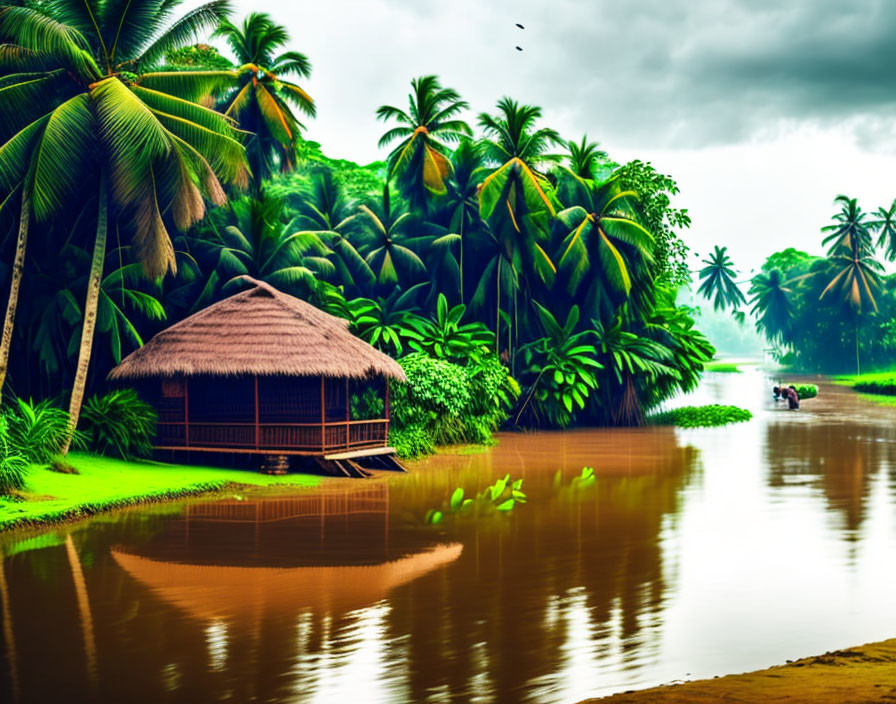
[695, 553]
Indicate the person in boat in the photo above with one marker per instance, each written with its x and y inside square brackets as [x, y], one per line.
[793, 398]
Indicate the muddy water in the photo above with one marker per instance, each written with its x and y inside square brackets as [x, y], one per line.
[695, 553]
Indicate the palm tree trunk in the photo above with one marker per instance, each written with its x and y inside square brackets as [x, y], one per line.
[461, 233]
[18, 267]
[858, 365]
[90, 313]
[498, 309]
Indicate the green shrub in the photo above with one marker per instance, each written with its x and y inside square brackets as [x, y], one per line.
[119, 424]
[884, 387]
[434, 388]
[37, 431]
[13, 465]
[411, 442]
[367, 405]
[453, 404]
[701, 416]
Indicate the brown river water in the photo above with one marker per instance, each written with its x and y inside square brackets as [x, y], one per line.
[696, 553]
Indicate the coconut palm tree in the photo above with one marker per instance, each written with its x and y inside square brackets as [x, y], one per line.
[718, 281]
[886, 230]
[420, 160]
[850, 225]
[386, 229]
[323, 208]
[514, 199]
[256, 243]
[85, 120]
[771, 298]
[853, 274]
[461, 213]
[584, 156]
[259, 95]
[602, 243]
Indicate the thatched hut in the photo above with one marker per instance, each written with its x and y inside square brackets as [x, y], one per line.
[262, 372]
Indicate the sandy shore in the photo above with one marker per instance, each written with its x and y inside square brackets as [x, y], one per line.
[862, 675]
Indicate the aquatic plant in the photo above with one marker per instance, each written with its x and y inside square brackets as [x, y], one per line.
[503, 495]
[701, 416]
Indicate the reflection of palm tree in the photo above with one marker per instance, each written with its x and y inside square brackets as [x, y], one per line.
[74, 563]
[8, 635]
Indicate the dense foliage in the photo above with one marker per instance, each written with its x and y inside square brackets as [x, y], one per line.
[119, 424]
[505, 238]
[701, 416]
[817, 313]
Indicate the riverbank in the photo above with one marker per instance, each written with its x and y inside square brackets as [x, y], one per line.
[862, 675]
[104, 484]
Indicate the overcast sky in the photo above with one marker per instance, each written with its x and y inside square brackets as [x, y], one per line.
[762, 110]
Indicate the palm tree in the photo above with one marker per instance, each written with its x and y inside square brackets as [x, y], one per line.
[718, 281]
[75, 88]
[850, 226]
[584, 156]
[602, 241]
[886, 229]
[386, 231]
[420, 160]
[259, 92]
[855, 275]
[462, 202]
[770, 296]
[323, 208]
[257, 243]
[513, 197]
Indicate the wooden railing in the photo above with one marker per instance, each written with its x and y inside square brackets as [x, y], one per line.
[274, 437]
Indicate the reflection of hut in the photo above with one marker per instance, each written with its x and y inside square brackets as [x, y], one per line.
[211, 591]
[262, 372]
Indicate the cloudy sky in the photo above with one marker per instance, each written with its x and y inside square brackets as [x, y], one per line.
[762, 110]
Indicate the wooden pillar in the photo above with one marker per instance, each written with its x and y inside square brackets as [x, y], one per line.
[347, 416]
[256, 412]
[187, 411]
[323, 417]
[386, 439]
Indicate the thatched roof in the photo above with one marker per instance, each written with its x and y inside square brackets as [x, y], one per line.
[258, 331]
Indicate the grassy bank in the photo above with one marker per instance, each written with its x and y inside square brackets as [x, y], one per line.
[866, 675]
[722, 367]
[104, 484]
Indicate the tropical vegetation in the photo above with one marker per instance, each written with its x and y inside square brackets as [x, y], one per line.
[701, 416]
[819, 312]
[530, 269]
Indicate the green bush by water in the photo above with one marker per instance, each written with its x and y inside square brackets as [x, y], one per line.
[883, 387]
[701, 416]
[443, 403]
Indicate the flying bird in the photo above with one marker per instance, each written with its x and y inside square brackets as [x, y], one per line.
[519, 25]
[519, 48]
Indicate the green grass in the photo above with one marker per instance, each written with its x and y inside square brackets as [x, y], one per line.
[722, 367]
[701, 416]
[105, 483]
[880, 383]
